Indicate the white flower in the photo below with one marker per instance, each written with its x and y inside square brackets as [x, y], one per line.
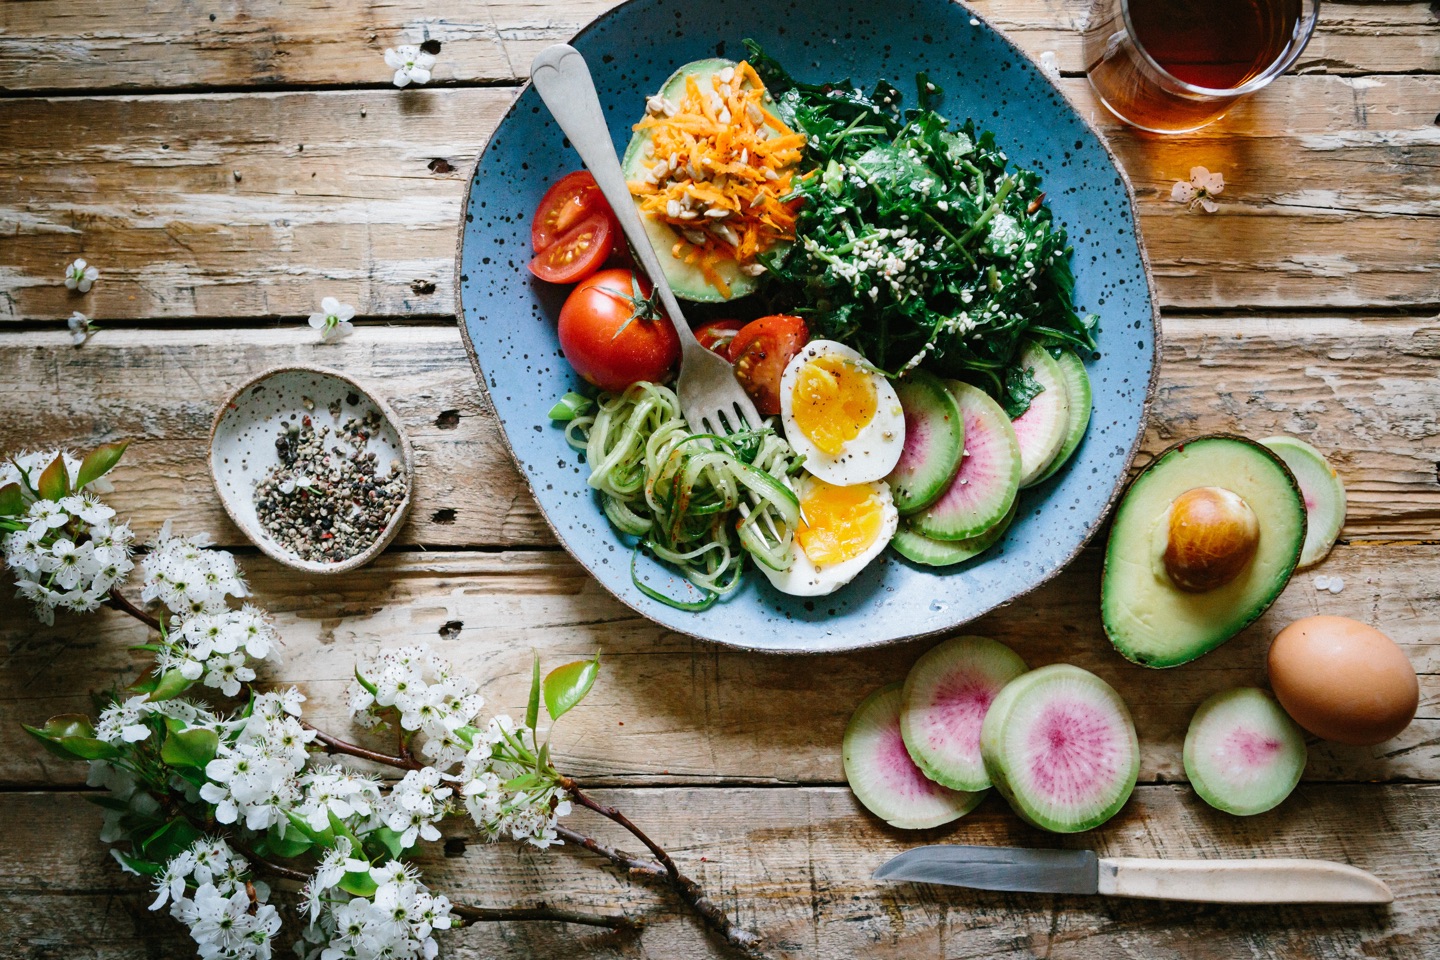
[396, 923]
[1203, 185]
[333, 320]
[415, 805]
[227, 673]
[338, 790]
[526, 815]
[80, 276]
[188, 578]
[410, 63]
[331, 871]
[68, 554]
[80, 328]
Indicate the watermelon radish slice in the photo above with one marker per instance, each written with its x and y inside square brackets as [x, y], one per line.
[885, 779]
[946, 695]
[918, 548]
[1243, 753]
[983, 489]
[1041, 430]
[1077, 392]
[1059, 744]
[934, 442]
[1322, 490]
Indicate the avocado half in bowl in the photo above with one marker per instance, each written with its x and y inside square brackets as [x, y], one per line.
[1204, 540]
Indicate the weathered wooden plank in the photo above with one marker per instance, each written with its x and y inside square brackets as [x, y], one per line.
[795, 865]
[52, 45]
[1362, 390]
[671, 709]
[1330, 200]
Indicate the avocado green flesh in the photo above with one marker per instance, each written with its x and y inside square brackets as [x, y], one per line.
[686, 279]
[1150, 620]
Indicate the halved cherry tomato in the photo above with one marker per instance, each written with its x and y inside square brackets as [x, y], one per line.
[612, 337]
[761, 351]
[717, 334]
[573, 198]
[577, 254]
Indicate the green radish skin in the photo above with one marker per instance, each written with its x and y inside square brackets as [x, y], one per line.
[1060, 746]
[1243, 753]
[1320, 488]
[984, 487]
[686, 279]
[1041, 430]
[884, 778]
[918, 548]
[934, 442]
[946, 695]
[1077, 392]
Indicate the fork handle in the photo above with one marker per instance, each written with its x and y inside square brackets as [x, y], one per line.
[562, 78]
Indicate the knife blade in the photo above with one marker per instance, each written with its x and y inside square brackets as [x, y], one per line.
[1081, 871]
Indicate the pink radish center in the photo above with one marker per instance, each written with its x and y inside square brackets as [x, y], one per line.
[1072, 753]
[1245, 754]
[897, 771]
[957, 712]
[917, 439]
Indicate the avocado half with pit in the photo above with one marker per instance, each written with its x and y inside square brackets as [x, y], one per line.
[1203, 542]
[686, 279]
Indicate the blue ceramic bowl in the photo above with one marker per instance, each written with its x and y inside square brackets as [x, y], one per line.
[509, 318]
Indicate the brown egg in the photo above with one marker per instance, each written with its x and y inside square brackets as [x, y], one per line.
[1343, 680]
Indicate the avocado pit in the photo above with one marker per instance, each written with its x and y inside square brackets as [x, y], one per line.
[1213, 534]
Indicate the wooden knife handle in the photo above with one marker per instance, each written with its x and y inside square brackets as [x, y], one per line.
[1241, 881]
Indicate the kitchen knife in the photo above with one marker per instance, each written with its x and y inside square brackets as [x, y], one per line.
[1081, 871]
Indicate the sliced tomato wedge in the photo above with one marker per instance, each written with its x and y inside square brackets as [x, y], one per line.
[573, 198]
[761, 351]
[576, 254]
[717, 334]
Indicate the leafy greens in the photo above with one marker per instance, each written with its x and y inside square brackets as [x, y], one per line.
[916, 245]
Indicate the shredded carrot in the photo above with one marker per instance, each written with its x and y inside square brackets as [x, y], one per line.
[720, 162]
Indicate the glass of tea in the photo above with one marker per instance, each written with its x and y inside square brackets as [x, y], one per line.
[1171, 66]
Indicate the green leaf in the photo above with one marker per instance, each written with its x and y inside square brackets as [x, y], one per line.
[523, 782]
[146, 868]
[54, 480]
[369, 687]
[170, 840]
[100, 462]
[389, 839]
[170, 685]
[12, 500]
[291, 844]
[566, 686]
[542, 762]
[570, 406]
[359, 884]
[71, 737]
[532, 710]
[66, 725]
[341, 829]
[322, 837]
[191, 748]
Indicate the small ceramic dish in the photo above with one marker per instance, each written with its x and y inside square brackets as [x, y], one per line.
[243, 450]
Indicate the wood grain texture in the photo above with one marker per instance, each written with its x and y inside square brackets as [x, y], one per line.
[669, 709]
[1364, 391]
[1331, 200]
[795, 865]
[113, 44]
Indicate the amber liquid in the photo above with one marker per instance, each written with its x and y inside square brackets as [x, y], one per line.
[1217, 44]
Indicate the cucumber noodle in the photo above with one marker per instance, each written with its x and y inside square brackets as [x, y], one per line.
[697, 501]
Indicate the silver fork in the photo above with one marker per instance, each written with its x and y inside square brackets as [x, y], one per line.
[710, 397]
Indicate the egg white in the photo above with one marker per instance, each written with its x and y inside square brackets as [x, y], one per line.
[805, 579]
[874, 451]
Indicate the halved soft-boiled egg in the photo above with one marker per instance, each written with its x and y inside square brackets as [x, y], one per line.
[841, 529]
[840, 414]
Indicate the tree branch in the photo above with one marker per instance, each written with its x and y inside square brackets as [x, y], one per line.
[117, 601]
[642, 868]
[746, 941]
[334, 744]
[541, 911]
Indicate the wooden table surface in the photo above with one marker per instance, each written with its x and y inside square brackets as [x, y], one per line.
[228, 163]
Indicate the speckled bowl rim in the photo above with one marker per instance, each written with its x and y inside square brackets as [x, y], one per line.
[407, 469]
[1123, 476]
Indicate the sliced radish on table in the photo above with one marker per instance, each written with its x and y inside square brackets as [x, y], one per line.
[1059, 744]
[946, 696]
[1042, 428]
[983, 489]
[1243, 753]
[934, 442]
[1322, 490]
[885, 779]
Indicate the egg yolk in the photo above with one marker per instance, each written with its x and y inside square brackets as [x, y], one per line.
[832, 401]
[838, 523]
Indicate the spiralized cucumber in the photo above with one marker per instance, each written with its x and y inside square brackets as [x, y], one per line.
[697, 501]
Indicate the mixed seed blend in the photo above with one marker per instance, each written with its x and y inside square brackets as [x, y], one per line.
[326, 500]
